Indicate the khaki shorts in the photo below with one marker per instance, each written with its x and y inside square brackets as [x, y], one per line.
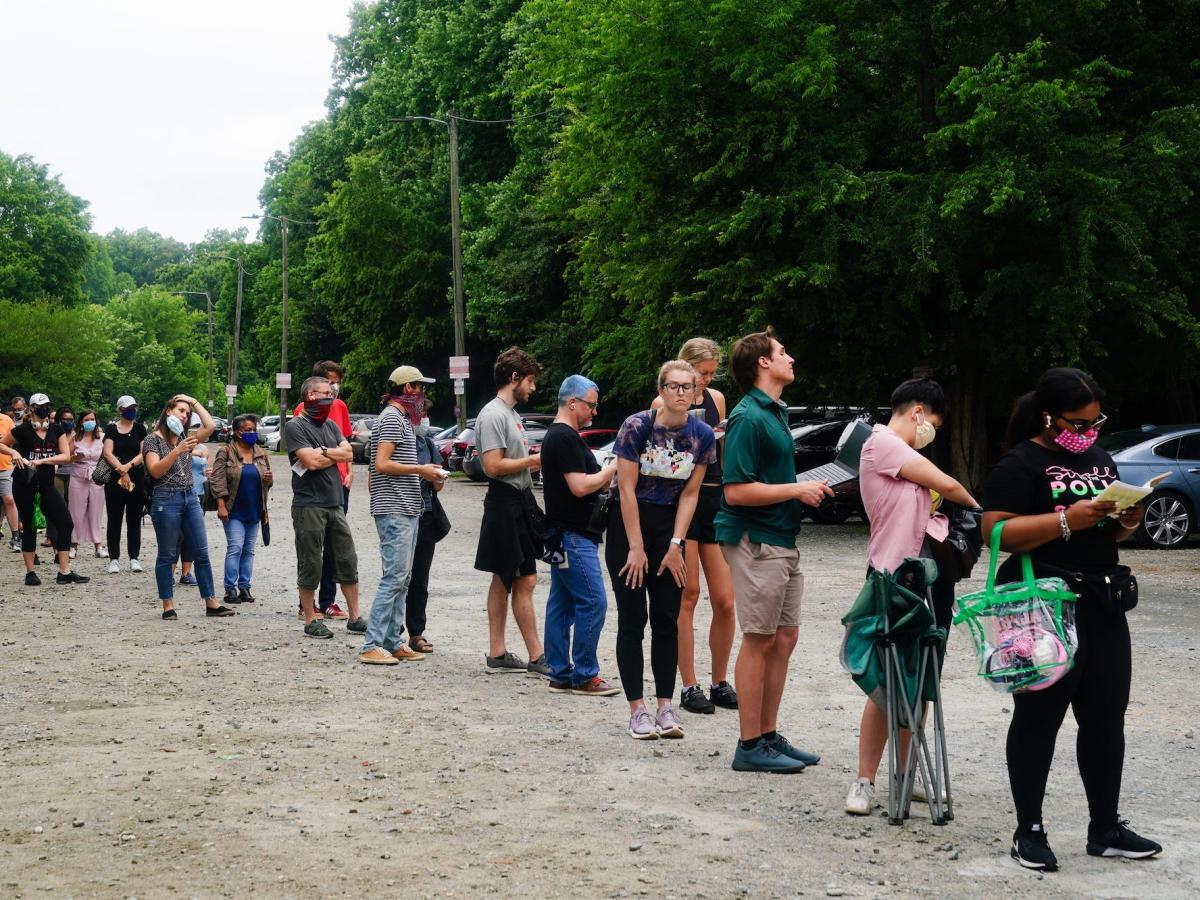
[767, 585]
[318, 527]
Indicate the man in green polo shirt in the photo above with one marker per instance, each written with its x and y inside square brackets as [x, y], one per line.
[757, 527]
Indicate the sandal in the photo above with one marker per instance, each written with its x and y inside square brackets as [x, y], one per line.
[421, 645]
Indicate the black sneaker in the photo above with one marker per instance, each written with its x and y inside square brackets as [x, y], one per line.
[693, 700]
[1031, 849]
[539, 666]
[1121, 841]
[231, 596]
[71, 578]
[32, 580]
[316, 629]
[357, 626]
[508, 663]
[560, 687]
[723, 695]
[244, 596]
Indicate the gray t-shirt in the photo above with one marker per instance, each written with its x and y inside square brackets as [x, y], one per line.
[316, 487]
[498, 427]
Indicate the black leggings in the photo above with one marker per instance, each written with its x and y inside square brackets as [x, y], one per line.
[129, 505]
[1097, 690]
[54, 508]
[418, 585]
[657, 522]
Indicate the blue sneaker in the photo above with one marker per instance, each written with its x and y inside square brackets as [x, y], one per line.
[787, 748]
[764, 758]
[189, 578]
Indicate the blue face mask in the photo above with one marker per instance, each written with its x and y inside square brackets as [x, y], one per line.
[129, 413]
[250, 438]
[68, 426]
[175, 425]
[89, 426]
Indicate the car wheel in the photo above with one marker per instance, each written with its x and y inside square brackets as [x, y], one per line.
[1166, 522]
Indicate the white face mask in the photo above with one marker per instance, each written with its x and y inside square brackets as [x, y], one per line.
[334, 389]
[925, 433]
[175, 426]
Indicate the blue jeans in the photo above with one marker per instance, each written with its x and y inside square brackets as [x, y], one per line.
[397, 541]
[576, 598]
[240, 540]
[175, 513]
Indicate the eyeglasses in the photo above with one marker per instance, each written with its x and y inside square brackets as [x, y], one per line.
[592, 406]
[677, 387]
[1081, 426]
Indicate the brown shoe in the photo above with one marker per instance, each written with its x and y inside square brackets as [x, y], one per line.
[406, 653]
[378, 657]
[597, 687]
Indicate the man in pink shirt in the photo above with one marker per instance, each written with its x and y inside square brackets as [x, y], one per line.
[896, 483]
[339, 414]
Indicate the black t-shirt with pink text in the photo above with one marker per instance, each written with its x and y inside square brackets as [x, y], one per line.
[1031, 480]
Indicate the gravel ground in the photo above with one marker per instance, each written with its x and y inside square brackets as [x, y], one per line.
[225, 757]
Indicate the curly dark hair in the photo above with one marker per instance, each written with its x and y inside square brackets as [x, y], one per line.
[514, 361]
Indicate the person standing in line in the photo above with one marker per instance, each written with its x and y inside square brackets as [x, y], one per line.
[704, 356]
[429, 532]
[64, 417]
[1043, 490]
[36, 446]
[200, 471]
[510, 538]
[6, 486]
[661, 460]
[124, 495]
[241, 478]
[757, 526]
[339, 414]
[571, 484]
[86, 498]
[895, 481]
[174, 506]
[394, 479]
[315, 446]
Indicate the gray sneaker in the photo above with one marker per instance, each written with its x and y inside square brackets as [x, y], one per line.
[668, 723]
[507, 664]
[538, 667]
[316, 629]
[641, 726]
[357, 626]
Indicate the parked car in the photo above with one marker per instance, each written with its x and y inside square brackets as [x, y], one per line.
[463, 441]
[1174, 450]
[535, 432]
[220, 430]
[361, 426]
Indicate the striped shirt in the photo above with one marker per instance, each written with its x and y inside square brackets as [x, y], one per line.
[395, 494]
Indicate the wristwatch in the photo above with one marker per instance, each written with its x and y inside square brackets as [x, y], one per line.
[325, 452]
[678, 542]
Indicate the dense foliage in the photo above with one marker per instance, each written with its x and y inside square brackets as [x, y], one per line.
[974, 191]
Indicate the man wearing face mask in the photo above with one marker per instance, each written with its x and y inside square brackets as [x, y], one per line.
[895, 481]
[339, 414]
[315, 446]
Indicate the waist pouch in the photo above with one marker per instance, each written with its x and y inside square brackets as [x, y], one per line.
[1114, 591]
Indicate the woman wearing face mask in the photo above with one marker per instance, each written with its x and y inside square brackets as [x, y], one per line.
[174, 507]
[241, 478]
[200, 472]
[895, 482]
[661, 460]
[1042, 489]
[86, 499]
[64, 417]
[124, 497]
[37, 445]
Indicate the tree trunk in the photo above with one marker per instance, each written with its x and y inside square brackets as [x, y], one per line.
[968, 432]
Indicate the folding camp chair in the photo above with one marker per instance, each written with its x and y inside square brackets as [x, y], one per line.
[893, 649]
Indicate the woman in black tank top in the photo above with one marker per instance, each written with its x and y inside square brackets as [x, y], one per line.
[704, 355]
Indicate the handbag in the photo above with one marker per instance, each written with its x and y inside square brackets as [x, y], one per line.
[441, 521]
[1024, 631]
[597, 522]
[265, 531]
[103, 472]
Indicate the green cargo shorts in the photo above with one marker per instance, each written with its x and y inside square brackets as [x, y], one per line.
[316, 528]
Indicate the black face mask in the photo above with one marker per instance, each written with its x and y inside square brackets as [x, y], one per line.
[42, 411]
[68, 425]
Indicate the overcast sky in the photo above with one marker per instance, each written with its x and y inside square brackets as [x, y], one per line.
[162, 113]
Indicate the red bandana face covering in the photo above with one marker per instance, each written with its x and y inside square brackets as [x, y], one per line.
[1075, 442]
[318, 410]
[412, 404]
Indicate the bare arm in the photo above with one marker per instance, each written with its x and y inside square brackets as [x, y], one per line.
[756, 493]
[687, 502]
[923, 472]
[385, 465]
[582, 485]
[497, 465]
[204, 432]
[1025, 533]
[158, 466]
[313, 459]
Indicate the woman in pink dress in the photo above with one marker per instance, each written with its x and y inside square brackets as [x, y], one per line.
[86, 498]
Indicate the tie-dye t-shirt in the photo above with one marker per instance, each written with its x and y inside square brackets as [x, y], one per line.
[666, 458]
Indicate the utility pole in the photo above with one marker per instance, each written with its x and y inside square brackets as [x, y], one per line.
[208, 300]
[460, 315]
[284, 222]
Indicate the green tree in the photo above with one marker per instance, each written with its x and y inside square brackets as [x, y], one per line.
[66, 352]
[142, 253]
[160, 348]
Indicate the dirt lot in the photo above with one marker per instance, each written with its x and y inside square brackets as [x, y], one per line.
[227, 757]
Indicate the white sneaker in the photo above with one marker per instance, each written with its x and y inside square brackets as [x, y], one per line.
[919, 790]
[101, 553]
[135, 566]
[114, 566]
[861, 798]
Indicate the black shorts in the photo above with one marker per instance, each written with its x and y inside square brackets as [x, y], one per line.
[703, 527]
[510, 538]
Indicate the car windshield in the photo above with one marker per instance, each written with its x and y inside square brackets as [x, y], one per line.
[1123, 440]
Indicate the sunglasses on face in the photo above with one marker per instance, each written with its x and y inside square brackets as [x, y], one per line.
[590, 405]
